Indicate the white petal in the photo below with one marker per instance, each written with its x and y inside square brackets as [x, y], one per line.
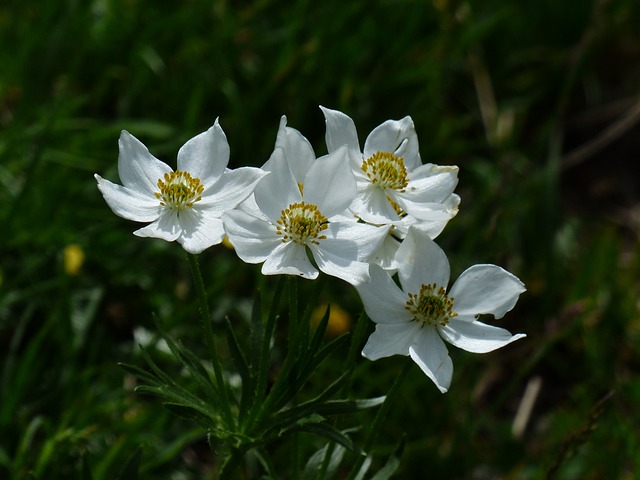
[476, 337]
[432, 227]
[137, 168]
[485, 289]
[422, 211]
[436, 181]
[397, 137]
[385, 255]
[427, 193]
[372, 205]
[354, 241]
[128, 203]
[206, 155]
[252, 238]
[383, 301]
[347, 269]
[234, 187]
[279, 189]
[421, 262]
[298, 150]
[388, 340]
[340, 131]
[330, 184]
[430, 354]
[291, 259]
[167, 227]
[200, 230]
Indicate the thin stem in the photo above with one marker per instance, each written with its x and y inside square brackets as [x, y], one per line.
[263, 365]
[229, 468]
[208, 335]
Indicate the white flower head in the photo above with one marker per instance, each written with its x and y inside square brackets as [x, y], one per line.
[416, 318]
[391, 180]
[184, 205]
[297, 210]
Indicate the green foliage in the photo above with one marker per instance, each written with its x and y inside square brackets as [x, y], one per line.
[507, 90]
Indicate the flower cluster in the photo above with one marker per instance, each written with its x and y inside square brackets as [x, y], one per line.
[360, 214]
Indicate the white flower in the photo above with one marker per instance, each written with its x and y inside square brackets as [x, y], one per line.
[183, 205]
[415, 319]
[297, 208]
[391, 180]
[385, 256]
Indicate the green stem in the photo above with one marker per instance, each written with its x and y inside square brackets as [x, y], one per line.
[263, 360]
[208, 335]
[229, 468]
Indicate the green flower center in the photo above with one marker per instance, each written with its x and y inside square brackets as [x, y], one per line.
[179, 190]
[385, 170]
[431, 306]
[302, 223]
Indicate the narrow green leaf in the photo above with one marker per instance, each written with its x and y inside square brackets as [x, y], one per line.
[242, 368]
[256, 332]
[379, 418]
[294, 385]
[191, 362]
[357, 337]
[85, 470]
[318, 335]
[130, 470]
[332, 407]
[162, 377]
[386, 472]
[307, 407]
[315, 468]
[190, 413]
[261, 408]
[294, 341]
[141, 374]
[167, 388]
[264, 460]
[5, 460]
[327, 431]
[181, 397]
[325, 351]
[364, 468]
[170, 452]
[311, 301]
[203, 377]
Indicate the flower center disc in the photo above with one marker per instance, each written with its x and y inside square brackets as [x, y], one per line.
[301, 223]
[386, 171]
[179, 190]
[431, 306]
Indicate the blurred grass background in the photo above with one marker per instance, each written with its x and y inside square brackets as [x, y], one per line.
[538, 102]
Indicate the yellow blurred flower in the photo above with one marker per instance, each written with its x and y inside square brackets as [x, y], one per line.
[339, 319]
[73, 258]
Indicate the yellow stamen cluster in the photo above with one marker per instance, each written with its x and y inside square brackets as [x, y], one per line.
[301, 223]
[386, 170]
[179, 190]
[431, 306]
